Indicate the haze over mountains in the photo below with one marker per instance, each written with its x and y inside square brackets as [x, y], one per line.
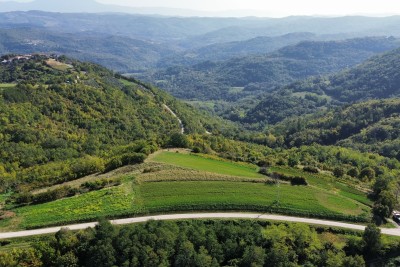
[87, 6]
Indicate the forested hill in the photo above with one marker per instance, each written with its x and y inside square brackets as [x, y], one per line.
[372, 126]
[377, 78]
[253, 75]
[61, 118]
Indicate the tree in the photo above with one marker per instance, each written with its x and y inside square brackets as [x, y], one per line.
[293, 161]
[385, 204]
[102, 252]
[202, 258]
[353, 172]
[367, 173]
[353, 261]
[178, 140]
[185, 255]
[372, 241]
[253, 256]
[338, 172]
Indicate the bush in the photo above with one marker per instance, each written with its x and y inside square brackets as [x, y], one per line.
[48, 196]
[310, 169]
[51, 195]
[264, 171]
[23, 198]
[338, 172]
[353, 172]
[367, 173]
[100, 184]
[124, 159]
[196, 149]
[298, 181]
[294, 180]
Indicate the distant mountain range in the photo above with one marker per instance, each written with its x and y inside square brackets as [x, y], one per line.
[91, 6]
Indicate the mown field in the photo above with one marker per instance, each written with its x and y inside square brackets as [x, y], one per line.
[206, 164]
[196, 183]
[326, 182]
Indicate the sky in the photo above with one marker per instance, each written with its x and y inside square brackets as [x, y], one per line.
[272, 8]
[277, 7]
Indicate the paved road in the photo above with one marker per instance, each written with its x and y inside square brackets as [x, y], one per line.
[394, 232]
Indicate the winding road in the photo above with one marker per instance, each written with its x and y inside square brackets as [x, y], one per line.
[258, 216]
[174, 115]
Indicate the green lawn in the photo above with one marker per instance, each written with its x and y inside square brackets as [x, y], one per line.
[205, 164]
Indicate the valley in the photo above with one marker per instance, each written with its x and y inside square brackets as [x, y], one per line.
[205, 141]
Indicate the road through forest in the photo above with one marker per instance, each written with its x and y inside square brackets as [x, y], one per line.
[236, 215]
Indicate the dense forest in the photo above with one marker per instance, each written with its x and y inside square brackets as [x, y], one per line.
[207, 243]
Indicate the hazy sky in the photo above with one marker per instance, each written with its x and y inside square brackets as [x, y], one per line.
[277, 7]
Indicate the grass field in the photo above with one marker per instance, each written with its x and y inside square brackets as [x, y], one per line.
[327, 183]
[238, 194]
[89, 206]
[205, 164]
[134, 199]
[171, 182]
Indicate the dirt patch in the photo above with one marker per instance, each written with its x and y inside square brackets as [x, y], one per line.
[58, 65]
[6, 215]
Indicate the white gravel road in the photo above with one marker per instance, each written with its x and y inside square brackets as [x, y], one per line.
[387, 231]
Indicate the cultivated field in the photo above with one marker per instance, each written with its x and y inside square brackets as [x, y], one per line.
[171, 182]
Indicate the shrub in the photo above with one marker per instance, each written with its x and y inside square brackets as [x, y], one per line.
[367, 173]
[124, 159]
[23, 198]
[100, 184]
[353, 172]
[196, 149]
[294, 180]
[338, 172]
[264, 171]
[310, 169]
[298, 181]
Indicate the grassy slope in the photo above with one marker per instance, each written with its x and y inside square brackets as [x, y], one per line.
[322, 198]
[206, 164]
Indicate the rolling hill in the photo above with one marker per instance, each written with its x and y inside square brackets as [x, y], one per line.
[61, 119]
[119, 53]
[376, 78]
[371, 126]
[257, 74]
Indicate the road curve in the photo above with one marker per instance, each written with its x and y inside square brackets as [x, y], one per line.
[258, 216]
